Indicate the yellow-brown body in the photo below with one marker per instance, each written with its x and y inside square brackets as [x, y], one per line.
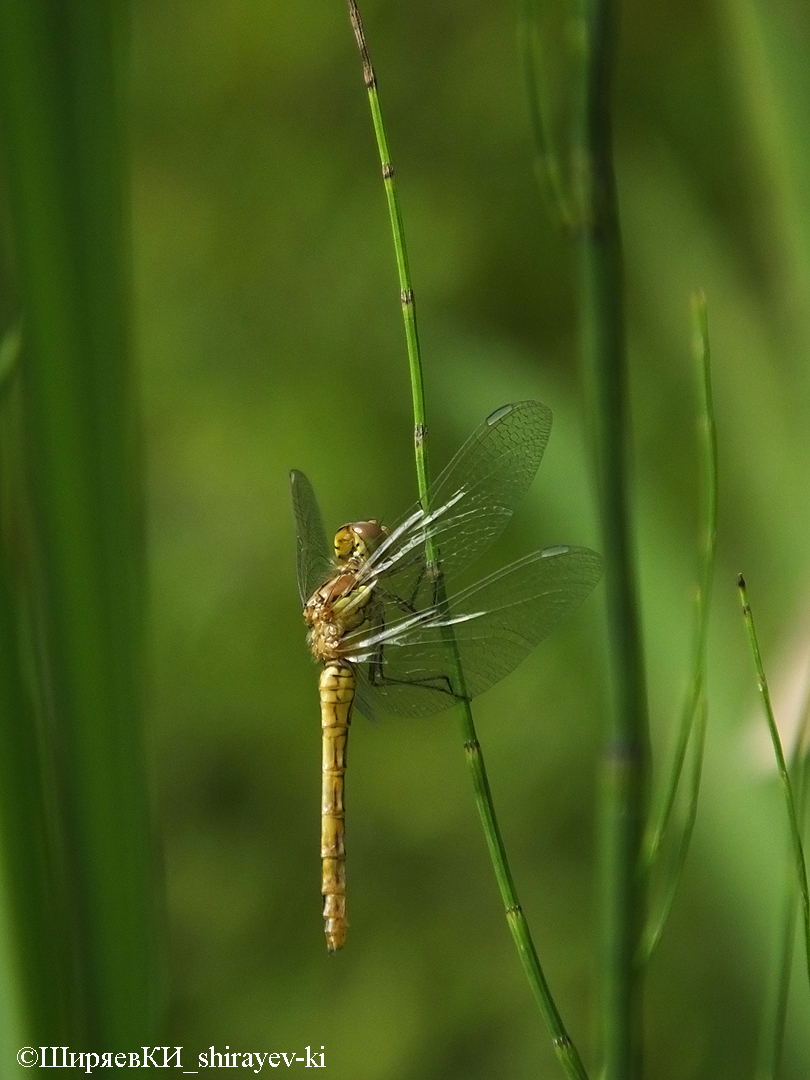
[338, 606]
[337, 684]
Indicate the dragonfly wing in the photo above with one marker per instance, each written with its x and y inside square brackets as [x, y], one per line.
[365, 696]
[472, 500]
[494, 468]
[313, 554]
[406, 665]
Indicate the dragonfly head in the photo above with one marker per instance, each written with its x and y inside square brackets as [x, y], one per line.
[357, 540]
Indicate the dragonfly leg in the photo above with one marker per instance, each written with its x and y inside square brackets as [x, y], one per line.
[377, 676]
[400, 602]
[416, 588]
[409, 604]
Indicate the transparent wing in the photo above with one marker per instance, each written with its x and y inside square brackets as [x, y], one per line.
[471, 501]
[313, 553]
[404, 662]
[494, 468]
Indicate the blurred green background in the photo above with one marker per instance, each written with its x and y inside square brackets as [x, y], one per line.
[269, 336]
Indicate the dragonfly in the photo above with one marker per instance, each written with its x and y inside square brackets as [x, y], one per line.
[390, 632]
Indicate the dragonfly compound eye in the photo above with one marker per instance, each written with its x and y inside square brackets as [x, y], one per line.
[358, 539]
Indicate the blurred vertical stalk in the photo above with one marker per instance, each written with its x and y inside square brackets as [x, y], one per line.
[535, 46]
[765, 65]
[34, 970]
[62, 142]
[626, 751]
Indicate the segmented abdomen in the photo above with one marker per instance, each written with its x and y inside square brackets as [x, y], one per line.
[337, 686]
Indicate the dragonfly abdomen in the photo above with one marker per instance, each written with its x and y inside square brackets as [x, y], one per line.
[337, 686]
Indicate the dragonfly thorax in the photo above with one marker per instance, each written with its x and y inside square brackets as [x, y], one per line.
[341, 604]
[356, 541]
[338, 606]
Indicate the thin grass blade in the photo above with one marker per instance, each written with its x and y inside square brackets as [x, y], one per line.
[774, 1013]
[552, 59]
[692, 730]
[784, 776]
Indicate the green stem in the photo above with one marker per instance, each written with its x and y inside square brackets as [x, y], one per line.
[564, 1048]
[406, 293]
[516, 920]
[784, 777]
[626, 753]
